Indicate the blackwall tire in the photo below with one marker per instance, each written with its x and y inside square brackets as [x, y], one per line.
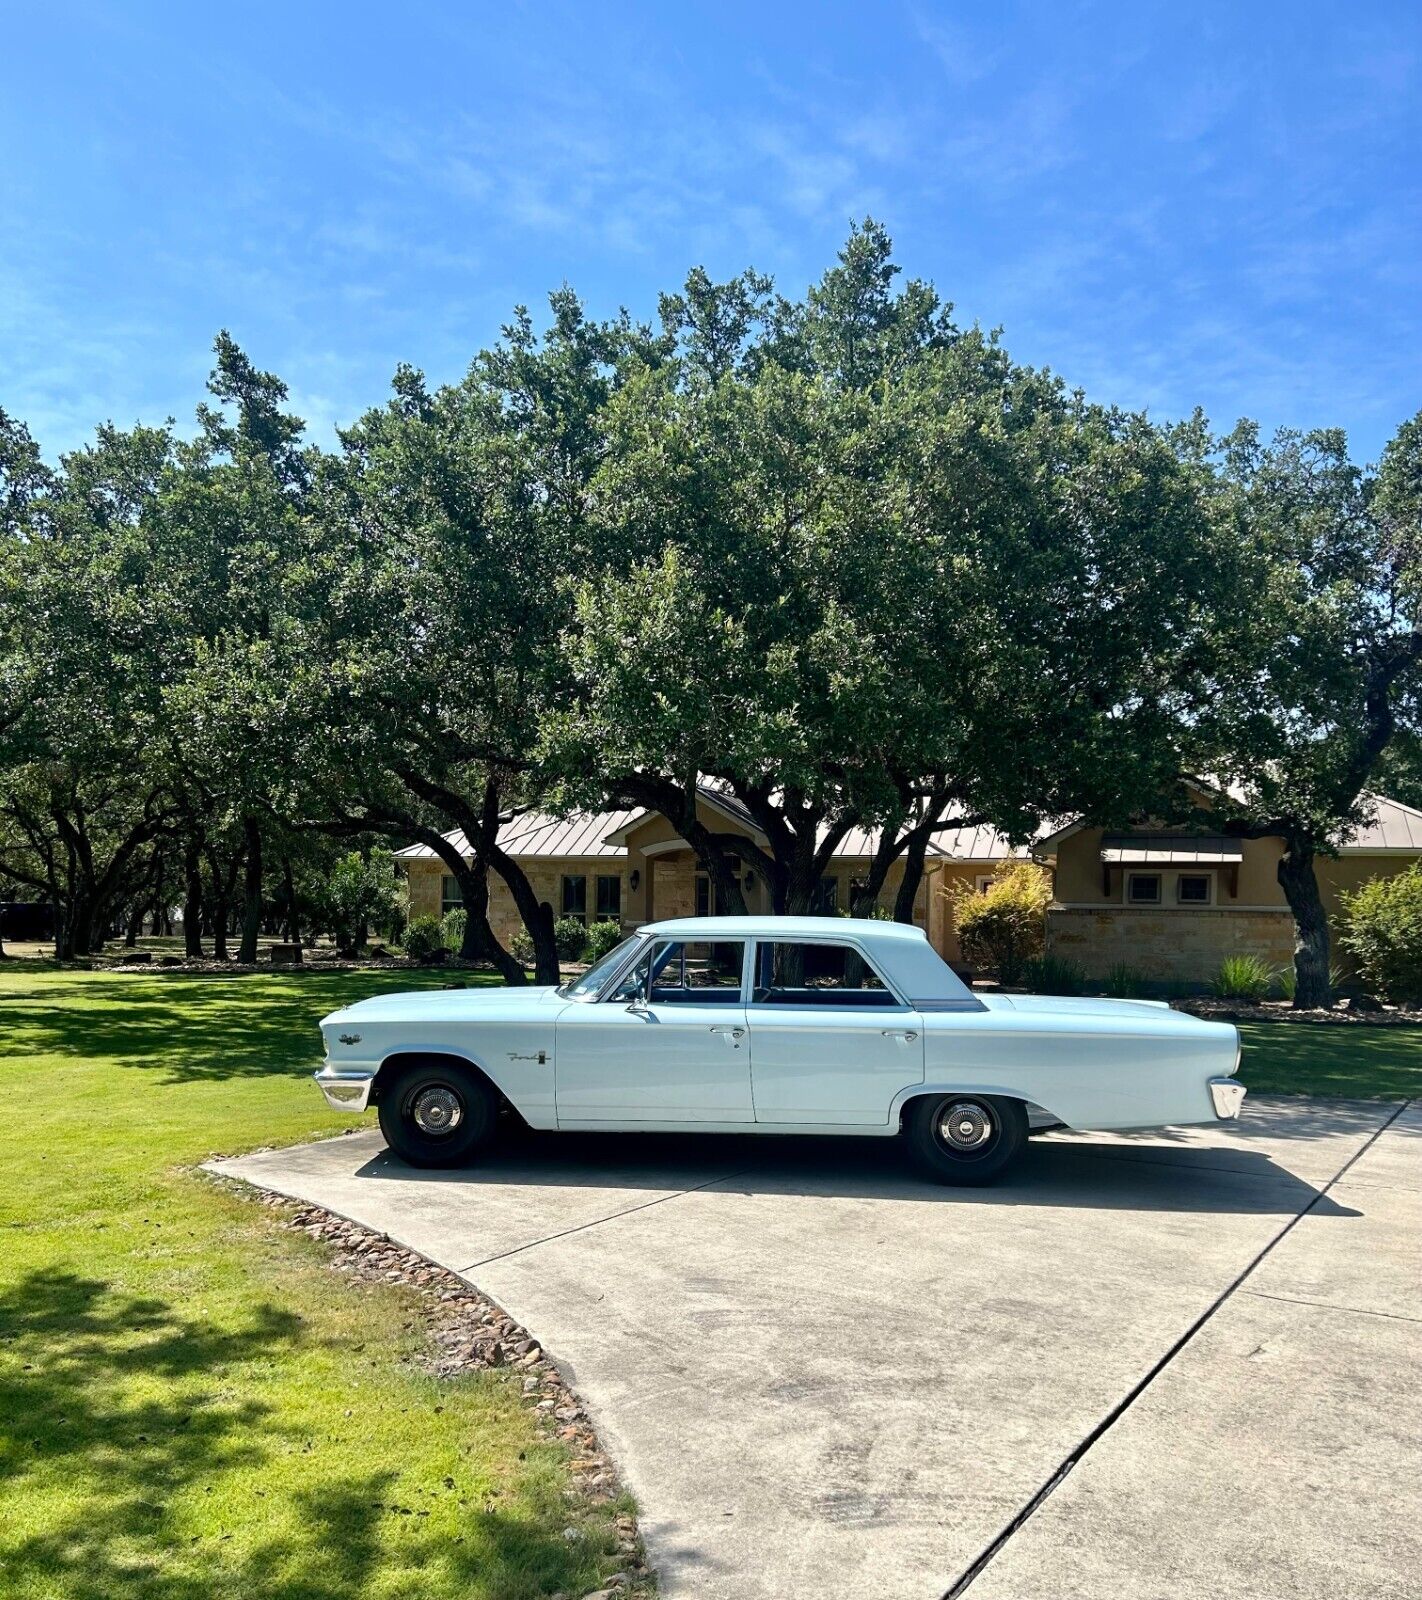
[437, 1115]
[966, 1138]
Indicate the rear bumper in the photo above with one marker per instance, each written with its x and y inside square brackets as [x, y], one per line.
[345, 1088]
[1228, 1096]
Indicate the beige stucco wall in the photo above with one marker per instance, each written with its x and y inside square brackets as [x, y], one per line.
[1078, 878]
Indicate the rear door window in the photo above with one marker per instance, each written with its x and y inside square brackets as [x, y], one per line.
[803, 973]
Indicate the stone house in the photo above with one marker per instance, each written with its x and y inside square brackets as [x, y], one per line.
[632, 867]
[1172, 905]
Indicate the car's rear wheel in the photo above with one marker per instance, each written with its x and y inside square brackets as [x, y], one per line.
[434, 1114]
[966, 1138]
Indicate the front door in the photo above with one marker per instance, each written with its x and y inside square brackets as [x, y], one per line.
[669, 1047]
[830, 1041]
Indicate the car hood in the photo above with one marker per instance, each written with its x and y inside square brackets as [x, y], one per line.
[447, 1005]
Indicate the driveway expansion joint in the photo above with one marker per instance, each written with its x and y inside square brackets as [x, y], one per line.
[972, 1573]
[597, 1222]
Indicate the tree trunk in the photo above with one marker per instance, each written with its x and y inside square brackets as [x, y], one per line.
[252, 893]
[537, 917]
[1300, 885]
[79, 930]
[292, 924]
[192, 900]
[221, 906]
[135, 927]
[864, 897]
[909, 884]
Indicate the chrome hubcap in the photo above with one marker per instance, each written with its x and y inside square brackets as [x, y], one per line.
[437, 1110]
[965, 1125]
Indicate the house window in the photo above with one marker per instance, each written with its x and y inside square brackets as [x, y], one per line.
[985, 881]
[708, 902]
[451, 896]
[1143, 889]
[575, 895]
[609, 897]
[1193, 889]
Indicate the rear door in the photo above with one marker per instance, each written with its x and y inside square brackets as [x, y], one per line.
[830, 1042]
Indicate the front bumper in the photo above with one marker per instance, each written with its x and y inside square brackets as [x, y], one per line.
[345, 1088]
[1228, 1096]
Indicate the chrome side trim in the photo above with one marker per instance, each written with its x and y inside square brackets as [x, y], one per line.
[345, 1089]
[1228, 1096]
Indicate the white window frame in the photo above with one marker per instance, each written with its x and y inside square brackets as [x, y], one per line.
[984, 881]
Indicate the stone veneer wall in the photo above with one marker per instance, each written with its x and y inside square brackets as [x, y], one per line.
[1186, 946]
[425, 878]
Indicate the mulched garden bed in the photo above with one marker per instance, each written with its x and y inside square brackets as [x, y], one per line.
[1220, 1010]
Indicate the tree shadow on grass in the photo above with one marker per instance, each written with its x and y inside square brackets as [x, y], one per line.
[194, 1027]
[100, 1469]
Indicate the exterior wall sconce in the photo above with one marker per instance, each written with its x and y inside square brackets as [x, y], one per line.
[635, 878]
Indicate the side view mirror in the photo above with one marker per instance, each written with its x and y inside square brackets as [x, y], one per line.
[637, 999]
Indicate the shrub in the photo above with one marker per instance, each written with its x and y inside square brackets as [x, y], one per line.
[1004, 926]
[1288, 979]
[1383, 931]
[601, 938]
[451, 927]
[358, 891]
[424, 940]
[571, 937]
[1125, 982]
[521, 948]
[1246, 977]
[1052, 975]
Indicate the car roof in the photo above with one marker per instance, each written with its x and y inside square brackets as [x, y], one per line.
[705, 929]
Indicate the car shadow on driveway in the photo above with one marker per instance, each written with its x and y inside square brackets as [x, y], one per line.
[1072, 1173]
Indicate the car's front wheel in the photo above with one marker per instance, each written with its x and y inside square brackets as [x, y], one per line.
[435, 1115]
[966, 1138]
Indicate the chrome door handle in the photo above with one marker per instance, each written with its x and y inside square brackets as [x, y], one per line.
[735, 1033]
[906, 1034]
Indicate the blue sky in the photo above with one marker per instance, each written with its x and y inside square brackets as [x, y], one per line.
[1170, 205]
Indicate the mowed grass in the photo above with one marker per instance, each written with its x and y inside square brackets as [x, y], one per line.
[1332, 1058]
[192, 1405]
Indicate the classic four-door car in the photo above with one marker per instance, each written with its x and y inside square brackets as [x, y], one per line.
[775, 1025]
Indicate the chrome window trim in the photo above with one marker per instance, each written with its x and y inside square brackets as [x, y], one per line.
[843, 944]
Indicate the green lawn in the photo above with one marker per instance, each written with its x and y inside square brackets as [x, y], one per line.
[191, 1405]
[1336, 1058]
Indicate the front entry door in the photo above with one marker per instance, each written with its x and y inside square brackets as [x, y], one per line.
[681, 1055]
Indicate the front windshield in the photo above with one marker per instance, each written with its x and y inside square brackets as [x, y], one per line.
[587, 984]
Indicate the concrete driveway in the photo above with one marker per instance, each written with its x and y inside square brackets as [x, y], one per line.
[1173, 1364]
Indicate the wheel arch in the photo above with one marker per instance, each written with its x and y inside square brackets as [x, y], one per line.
[908, 1098]
[396, 1063]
